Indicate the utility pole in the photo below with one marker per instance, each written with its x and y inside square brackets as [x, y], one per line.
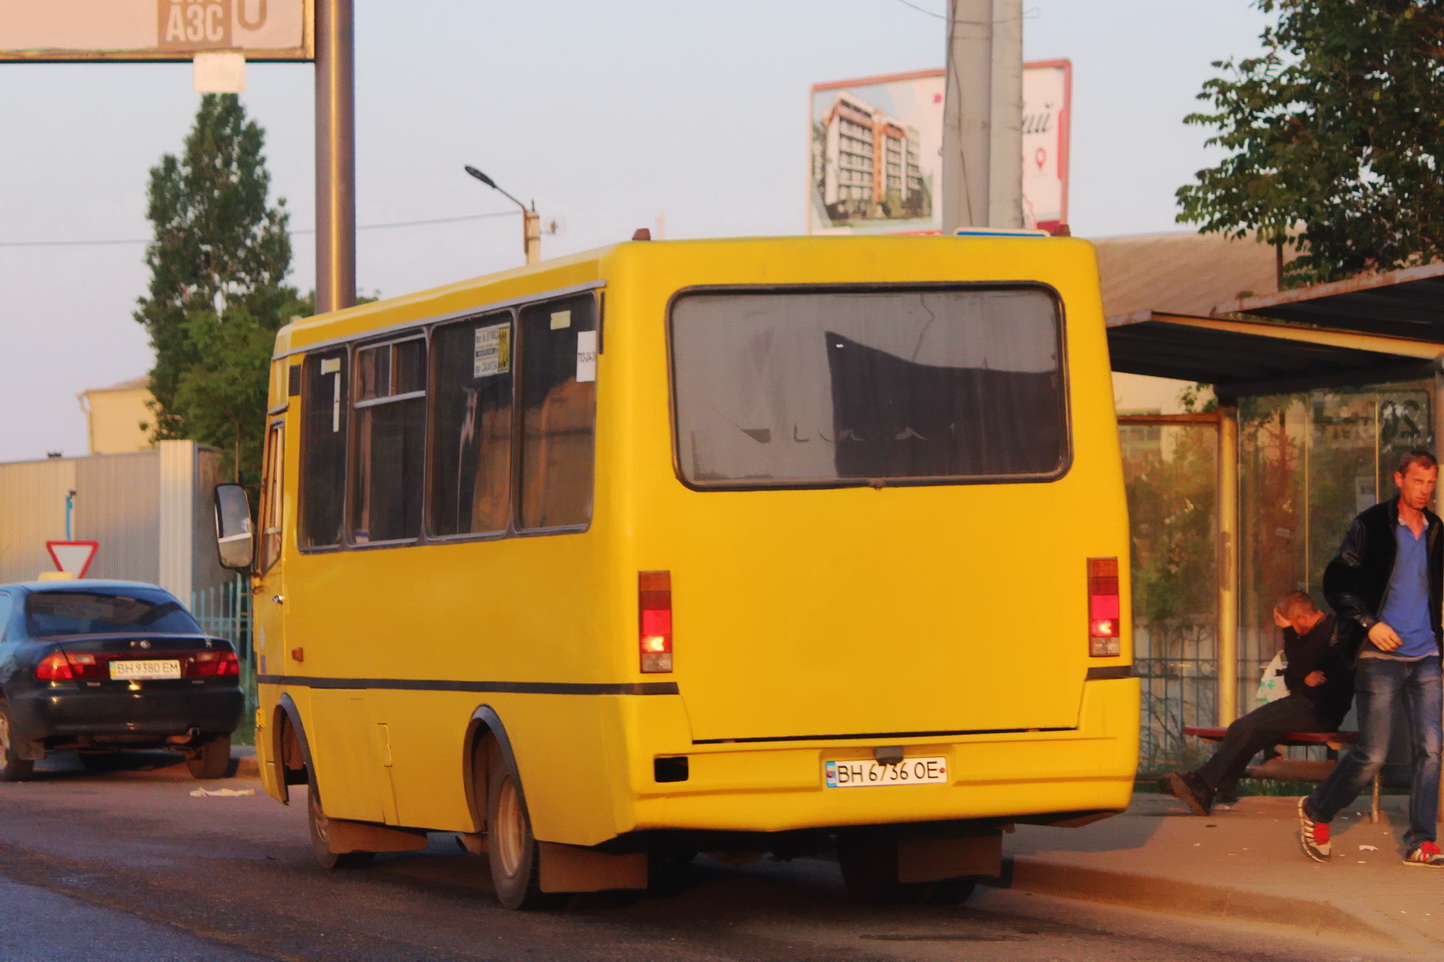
[982, 162]
[335, 156]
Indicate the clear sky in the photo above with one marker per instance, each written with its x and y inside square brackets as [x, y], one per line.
[610, 115]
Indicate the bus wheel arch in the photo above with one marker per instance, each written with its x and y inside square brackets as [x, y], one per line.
[290, 750]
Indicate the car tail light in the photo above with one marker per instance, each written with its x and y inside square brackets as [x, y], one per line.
[1104, 625]
[54, 667]
[72, 666]
[654, 607]
[213, 664]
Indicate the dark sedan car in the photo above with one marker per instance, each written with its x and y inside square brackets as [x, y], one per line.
[94, 666]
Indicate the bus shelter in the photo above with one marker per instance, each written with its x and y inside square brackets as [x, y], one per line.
[1318, 390]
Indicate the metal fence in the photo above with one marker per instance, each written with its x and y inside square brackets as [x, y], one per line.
[225, 611]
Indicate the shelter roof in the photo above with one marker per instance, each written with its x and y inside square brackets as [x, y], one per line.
[1166, 318]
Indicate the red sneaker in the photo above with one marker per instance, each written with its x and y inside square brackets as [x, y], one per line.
[1314, 836]
[1426, 854]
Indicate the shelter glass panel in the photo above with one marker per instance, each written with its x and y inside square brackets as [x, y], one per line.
[1170, 472]
[1308, 464]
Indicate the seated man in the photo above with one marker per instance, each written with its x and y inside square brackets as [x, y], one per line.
[1319, 649]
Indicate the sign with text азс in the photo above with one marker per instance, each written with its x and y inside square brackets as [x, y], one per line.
[70, 30]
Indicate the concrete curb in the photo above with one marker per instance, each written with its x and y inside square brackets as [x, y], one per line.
[1229, 903]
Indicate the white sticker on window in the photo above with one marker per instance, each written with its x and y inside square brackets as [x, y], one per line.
[561, 319]
[493, 351]
[586, 356]
[331, 365]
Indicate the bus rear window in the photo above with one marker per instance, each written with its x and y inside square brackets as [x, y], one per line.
[831, 387]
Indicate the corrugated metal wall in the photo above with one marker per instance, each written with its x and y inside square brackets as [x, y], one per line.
[32, 512]
[150, 511]
[117, 503]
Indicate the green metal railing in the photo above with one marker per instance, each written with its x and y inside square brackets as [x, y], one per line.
[225, 611]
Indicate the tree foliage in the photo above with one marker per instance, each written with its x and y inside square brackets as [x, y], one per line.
[218, 265]
[1334, 137]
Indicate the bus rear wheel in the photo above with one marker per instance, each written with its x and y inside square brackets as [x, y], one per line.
[869, 864]
[320, 824]
[511, 848]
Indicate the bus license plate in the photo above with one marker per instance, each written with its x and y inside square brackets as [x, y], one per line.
[864, 773]
[147, 668]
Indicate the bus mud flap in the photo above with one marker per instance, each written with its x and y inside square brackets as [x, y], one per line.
[573, 868]
[934, 859]
[344, 836]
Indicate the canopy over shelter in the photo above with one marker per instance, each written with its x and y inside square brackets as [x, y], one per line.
[1383, 327]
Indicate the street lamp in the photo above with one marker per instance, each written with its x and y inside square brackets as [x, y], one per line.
[531, 221]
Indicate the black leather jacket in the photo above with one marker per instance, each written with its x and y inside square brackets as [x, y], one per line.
[1358, 575]
[1328, 648]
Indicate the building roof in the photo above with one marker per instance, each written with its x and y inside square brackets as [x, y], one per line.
[1181, 272]
[134, 384]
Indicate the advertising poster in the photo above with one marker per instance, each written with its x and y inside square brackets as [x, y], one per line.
[876, 146]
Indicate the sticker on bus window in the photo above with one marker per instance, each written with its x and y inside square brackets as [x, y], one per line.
[586, 356]
[561, 319]
[331, 365]
[493, 351]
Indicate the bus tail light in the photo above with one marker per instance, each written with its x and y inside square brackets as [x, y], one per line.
[654, 616]
[1104, 624]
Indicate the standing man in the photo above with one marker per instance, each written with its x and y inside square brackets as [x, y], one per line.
[1386, 577]
[1320, 683]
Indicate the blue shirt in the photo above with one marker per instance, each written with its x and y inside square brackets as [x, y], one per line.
[1406, 602]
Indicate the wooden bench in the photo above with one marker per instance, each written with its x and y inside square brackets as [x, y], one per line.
[1284, 769]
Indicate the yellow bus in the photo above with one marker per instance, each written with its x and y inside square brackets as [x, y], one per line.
[792, 546]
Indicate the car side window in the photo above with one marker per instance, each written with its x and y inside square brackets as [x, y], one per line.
[7, 607]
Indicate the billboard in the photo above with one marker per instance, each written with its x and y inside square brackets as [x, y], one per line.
[70, 30]
[876, 146]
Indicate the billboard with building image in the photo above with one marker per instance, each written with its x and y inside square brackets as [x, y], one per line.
[876, 144]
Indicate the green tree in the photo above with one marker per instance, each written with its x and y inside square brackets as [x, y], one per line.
[218, 265]
[1334, 137]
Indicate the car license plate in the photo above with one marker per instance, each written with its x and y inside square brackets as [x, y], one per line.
[145, 668]
[865, 773]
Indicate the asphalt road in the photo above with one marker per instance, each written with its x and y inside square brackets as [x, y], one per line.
[126, 864]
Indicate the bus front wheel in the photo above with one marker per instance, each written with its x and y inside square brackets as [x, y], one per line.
[511, 847]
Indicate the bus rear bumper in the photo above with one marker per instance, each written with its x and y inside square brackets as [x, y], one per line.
[1066, 777]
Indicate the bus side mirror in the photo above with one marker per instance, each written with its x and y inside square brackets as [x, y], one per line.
[233, 527]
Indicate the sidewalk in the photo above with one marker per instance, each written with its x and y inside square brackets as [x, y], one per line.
[1244, 864]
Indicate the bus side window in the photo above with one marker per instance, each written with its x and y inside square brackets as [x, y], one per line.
[471, 426]
[390, 441]
[271, 496]
[323, 449]
[559, 408]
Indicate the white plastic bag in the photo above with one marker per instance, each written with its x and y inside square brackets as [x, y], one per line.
[1271, 686]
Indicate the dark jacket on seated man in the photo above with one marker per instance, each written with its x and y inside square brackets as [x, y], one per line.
[1320, 679]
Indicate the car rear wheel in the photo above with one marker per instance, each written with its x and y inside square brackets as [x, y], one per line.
[13, 768]
[212, 759]
[320, 824]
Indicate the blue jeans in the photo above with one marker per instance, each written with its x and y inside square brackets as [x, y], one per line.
[1383, 688]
